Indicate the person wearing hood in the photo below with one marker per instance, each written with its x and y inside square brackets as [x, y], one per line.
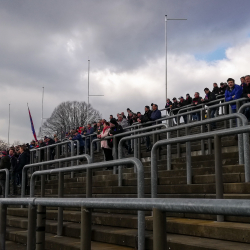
[5, 163]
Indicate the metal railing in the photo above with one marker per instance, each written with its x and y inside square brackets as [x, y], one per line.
[7, 181]
[44, 163]
[218, 162]
[89, 167]
[158, 206]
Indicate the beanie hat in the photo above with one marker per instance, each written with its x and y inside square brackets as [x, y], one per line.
[4, 153]
[113, 121]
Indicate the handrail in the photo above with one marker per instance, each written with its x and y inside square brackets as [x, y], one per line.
[7, 181]
[242, 108]
[189, 138]
[26, 167]
[159, 206]
[140, 186]
[243, 122]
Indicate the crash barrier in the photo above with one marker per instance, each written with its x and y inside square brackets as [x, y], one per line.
[159, 207]
[36, 153]
[217, 155]
[7, 182]
[44, 163]
[89, 168]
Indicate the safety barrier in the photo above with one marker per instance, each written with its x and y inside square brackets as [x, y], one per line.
[89, 167]
[158, 206]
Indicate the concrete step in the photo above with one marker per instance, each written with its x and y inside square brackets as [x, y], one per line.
[58, 243]
[128, 237]
[10, 245]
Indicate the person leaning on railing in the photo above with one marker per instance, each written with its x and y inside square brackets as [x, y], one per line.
[246, 93]
[233, 92]
[196, 101]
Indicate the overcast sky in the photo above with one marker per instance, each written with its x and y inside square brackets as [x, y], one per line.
[48, 43]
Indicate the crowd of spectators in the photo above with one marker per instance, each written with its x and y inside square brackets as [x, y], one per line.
[15, 158]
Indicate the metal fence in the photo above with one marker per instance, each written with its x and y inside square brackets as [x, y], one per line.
[7, 182]
[158, 206]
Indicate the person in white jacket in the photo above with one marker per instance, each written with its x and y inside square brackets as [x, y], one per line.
[104, 143]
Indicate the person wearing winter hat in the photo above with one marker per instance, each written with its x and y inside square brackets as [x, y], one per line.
[5, 163]
[189, 99]
[183, 103]
[115, 129]
[175, 107]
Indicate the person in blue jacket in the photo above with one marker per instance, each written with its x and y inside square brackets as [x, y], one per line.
[233, 92]
[156, 114]
[78, 137]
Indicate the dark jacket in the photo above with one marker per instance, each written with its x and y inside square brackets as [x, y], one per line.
[79, 138]
[146, 117]
[175, 106]
[209, 97]
[21, 162]
[222, 90]
[189, 100]
[168, 104]
[155, 115]
[216, 90]
[246, 90]
[114, 131]
[236, 91]
[196, 102]
[5, 163]
[13, 162]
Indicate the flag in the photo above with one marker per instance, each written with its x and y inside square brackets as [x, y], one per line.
[32, 125]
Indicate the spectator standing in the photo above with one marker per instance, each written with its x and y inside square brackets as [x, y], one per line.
[104, 143]
[246, 93]
[21, 162]
[124, 123]
[183, 103]
[90, 131]
[216, 89]
[144, 119]
[233, 92]
[13, 162]
[223, 88]
[5, 163]
[156, 113]
[210, 96]
[175, 107]
[78, 137]
[168, 105]
[196, 102]
[189, 99]
[242, 81]
[99, 128]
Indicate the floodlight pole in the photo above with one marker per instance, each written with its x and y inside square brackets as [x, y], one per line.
[42, 113]
[166, 50]
[88, 93]
[9, 128]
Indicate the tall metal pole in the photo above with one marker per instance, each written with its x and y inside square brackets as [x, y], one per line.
[9, 127]
[166, 59]
[42, 113]
[88, 92]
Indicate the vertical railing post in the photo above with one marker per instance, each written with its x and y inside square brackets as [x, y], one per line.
[218, 172]
[3, 219]
[115, 156]
[60, 209]
[85, 229]
[31, 239]
[159, 230]
[72, 154]
[188, 159]
[169, 153]
[202, 131]
[178, 135]
[40, 229]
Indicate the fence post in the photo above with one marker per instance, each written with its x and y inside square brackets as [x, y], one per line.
[60, 209]
[40, 229]
[188, 159]
[169, 153]
[31, 239]
[218, 172]
[115, 156]
[202, 131]
[209, 142]
[3, 218]
[85, 229]
[159, 230]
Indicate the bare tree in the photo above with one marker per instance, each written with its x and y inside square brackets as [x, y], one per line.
[69, 115]
[3, 145]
